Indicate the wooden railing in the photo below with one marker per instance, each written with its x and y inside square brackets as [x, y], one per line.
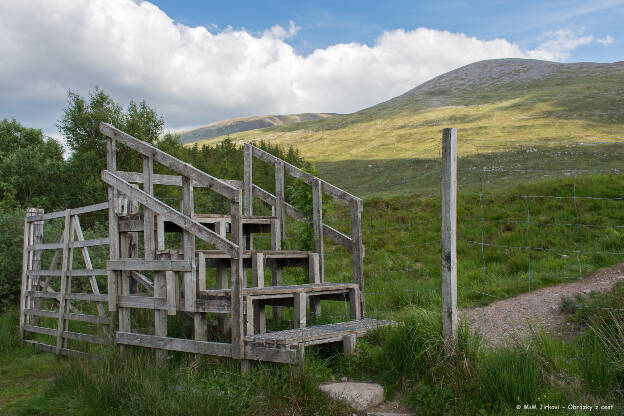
[283, 208]
[189, 178]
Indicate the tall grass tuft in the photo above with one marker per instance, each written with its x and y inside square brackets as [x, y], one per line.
[509, 376]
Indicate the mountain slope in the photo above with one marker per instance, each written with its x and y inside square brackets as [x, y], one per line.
[225, 127]
[494, 104]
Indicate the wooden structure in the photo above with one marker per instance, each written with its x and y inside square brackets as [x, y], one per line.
[142, 273]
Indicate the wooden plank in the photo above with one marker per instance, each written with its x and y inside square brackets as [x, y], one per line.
[314, 276]
[170, 214]
[172, 180]
[113, 226]
[357, 248]
[172, 292]
[317, 217]
[154, 265]
[68, 236]
[259, 313]
[25, 269]
[142, 302]
[79, 336]
[300, 310]
[280, 197]
[270, 199]
[220, 305]
[93, 319]
[87, 272]
[86, 296]
[143, 280]
[175, 344]
[45, 246]
[42, 313]
[40, 330]
[171, 162]
[39, 294]
[188, 246]
[237, 276]
[248, 179]
[75, 211]
[355, 303]
[337, 237]
[304, 176]
[349, 343]
[449, 239]
[276, 355]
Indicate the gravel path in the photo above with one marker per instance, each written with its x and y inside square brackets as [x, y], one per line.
[507, 321]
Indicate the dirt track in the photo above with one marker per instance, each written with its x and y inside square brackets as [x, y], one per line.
[507, 321]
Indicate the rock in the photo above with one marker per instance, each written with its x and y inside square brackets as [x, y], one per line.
[360, 396]
[344, 379]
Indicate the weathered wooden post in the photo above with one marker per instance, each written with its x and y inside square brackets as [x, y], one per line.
[449, 239]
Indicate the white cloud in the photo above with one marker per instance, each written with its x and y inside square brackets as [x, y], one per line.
[607, 40]
[192, 76]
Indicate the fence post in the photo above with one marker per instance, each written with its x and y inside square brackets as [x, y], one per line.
[449, 239]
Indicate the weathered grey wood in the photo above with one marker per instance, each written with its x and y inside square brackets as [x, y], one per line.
[125, 313]
[276, 272]
[143, 280]
[39, 294]
[42, 313]
[175, 344]
[276, 355]
[300, 310]
[188, 246]
[154, 265]
[148, 216]
[249, 316]
[171, 162]
[355, 303]
[170, 214]
[172, 292]
[172, 180]
[280, 196]
[248, 179]
[449, 238]
[65, 266]
[24, 304]
[113, 226]
[64, 351]
[337, 237]
[300, 360]
[317, 217]
[160, 233]
[84, 296]
[357, 248]
[201, 271]
[270, 199]
[94, 339]
[88, 264]
[40, 330]
[74, 272]
[142, 302]
[259, 313]
[223, 322]
[94, 319]
[304, 176]
[237, 276]
[314, 276]
[349, 342]
[75, 211]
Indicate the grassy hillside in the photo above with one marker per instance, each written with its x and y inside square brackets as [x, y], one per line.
[491, 103]
[236, 125]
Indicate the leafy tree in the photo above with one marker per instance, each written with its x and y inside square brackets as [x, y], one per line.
[80, 126]
[32, 169]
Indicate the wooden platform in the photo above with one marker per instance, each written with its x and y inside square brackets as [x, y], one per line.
[318, 334]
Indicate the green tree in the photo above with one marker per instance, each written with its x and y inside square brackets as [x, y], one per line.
[80, 126]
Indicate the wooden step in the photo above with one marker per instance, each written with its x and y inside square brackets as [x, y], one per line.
[318, 334]
[251, 223]
[288, 290]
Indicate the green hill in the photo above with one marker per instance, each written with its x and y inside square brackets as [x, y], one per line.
[493, 103]
[225, 127]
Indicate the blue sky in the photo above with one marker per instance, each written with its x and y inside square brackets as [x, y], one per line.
[198, 62]
[324, 23]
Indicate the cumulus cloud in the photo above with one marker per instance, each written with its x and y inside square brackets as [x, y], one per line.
[192, 76]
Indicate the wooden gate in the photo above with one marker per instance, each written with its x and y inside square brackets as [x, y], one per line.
[54, 317]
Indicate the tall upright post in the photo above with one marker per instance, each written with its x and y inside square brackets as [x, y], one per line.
[449, 239]
[236, 232]
[357, 250]
[248, 189]
[113, 227]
